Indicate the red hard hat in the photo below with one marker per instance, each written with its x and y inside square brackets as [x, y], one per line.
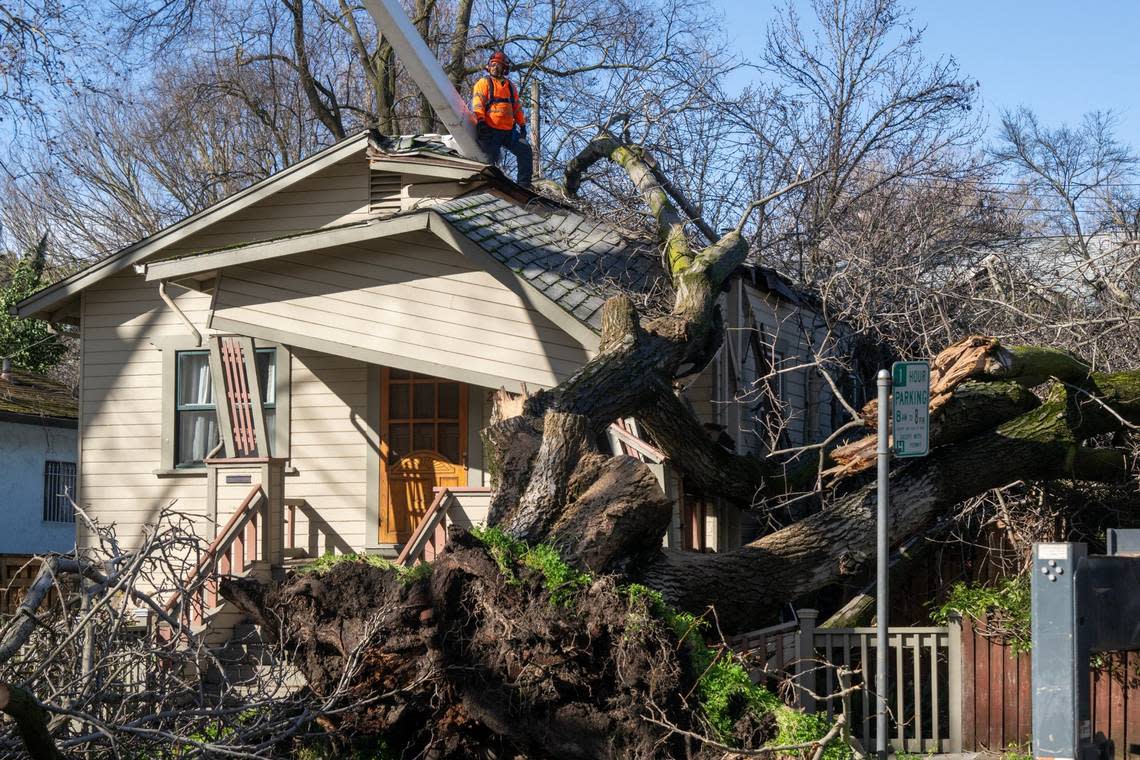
[499, 57]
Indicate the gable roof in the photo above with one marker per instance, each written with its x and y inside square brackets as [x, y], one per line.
[44, 302]
[35, 399]
[573, 263]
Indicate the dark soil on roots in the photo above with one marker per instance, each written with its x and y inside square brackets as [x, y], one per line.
[472, 661]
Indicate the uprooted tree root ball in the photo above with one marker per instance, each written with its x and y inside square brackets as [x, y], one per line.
[503, 650]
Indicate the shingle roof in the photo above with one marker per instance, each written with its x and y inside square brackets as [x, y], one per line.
[574, 261]
[32, 395]
[440, 145]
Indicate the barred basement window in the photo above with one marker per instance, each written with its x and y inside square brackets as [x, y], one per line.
[59, 490]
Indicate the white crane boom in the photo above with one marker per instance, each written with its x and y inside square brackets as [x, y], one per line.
[427, 73]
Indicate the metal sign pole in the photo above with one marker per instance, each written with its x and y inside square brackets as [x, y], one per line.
[881, 593]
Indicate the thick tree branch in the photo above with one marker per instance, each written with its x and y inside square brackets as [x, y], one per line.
[31, 721]
[747, 585]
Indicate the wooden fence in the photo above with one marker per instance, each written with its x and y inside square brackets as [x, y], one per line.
[17, 572]
[997, 693]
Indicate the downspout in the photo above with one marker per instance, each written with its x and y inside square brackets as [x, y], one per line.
[181, 315]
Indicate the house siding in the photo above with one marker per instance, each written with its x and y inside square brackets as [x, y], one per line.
[121, 424]
[782, 327]
[328, 450]
[121, 406]
[411, 297]
[338, 194]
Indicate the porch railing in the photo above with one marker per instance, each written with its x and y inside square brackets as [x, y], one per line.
[925, 678]
[240, 543]
[451, 506]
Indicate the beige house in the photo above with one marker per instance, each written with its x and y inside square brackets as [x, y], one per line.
[303, 366]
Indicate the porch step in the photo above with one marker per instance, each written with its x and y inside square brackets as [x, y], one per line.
[246, 664]
[292, 563]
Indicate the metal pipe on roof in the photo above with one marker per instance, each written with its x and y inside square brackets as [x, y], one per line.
[427, 73]
[181, 315]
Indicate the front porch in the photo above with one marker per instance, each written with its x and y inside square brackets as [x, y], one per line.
[362, 459]
[356, 455]
[360, 455]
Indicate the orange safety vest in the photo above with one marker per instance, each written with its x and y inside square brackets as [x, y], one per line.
[497, 103]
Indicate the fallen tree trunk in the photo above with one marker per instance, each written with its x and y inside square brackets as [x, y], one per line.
[749, 584]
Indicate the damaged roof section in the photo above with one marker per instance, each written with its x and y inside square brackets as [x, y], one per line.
[574, 261]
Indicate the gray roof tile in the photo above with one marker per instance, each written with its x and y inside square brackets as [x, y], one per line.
[574, 261]
[573, 298]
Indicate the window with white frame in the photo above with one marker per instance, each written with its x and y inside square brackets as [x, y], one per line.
[59, 490]
[196, 432]
[207, 401]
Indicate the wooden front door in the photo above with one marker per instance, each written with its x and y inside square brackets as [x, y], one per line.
[423, 446]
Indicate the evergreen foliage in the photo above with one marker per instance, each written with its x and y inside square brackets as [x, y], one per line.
[29, 343]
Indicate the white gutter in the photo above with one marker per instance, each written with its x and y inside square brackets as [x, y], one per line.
[427, 73]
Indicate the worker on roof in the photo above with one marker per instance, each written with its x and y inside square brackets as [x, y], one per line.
[499, 119]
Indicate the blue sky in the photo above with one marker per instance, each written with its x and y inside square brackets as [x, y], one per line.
[1060, 58]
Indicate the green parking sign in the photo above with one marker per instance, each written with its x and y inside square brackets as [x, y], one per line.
[910, 405]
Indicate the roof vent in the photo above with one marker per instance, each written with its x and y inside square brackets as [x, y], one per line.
[6, 372]
[384, 192]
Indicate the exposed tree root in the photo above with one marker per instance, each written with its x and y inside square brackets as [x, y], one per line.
[481, 661]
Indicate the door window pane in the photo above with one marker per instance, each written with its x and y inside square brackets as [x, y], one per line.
[449, 401]
[400, 439]
[424, 400]
[449, 441]
[424, 437]
[398, 402]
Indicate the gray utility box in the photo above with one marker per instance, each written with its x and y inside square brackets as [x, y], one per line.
[1081, 604]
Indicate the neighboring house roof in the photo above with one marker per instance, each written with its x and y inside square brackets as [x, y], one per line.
[34, 399]
[1057, 264]
[778, 283]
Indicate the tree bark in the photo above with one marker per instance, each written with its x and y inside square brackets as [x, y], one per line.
[748, 585]
[31, 721]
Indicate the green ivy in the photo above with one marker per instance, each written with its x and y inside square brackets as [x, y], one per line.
[30, 343]
[1005, 606]
[505, 550]
[800, 728]
[724, 686]
[329, 560]
[562, 581]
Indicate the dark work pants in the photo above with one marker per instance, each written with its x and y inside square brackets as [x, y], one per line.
[520, 149]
